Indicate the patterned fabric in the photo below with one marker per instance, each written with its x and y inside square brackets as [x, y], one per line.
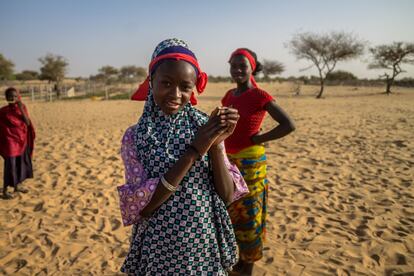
[249, 213]
[168, 44]
[138, 190]
[190, 233]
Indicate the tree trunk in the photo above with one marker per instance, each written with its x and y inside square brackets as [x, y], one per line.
[389, 84]
[56, 88]
[388, 89]
[321, 91]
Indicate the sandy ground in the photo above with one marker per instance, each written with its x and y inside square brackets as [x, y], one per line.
[341, 187]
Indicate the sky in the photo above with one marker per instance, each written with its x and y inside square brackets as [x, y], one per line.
[94, 33]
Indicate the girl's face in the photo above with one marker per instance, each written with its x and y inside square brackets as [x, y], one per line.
[172, 84]
[240, 69]
[11, 96]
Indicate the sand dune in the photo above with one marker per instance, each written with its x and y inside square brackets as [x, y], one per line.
[341, 199]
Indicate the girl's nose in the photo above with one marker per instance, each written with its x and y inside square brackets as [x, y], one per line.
[177, 92]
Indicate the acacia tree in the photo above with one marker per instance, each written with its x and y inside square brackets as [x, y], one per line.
[390, 57]
[340, 75]
[27, 75]
[132, 73]
[6, 68]
[108, 73]
[271, 68]
[325, 51]
[53, 69]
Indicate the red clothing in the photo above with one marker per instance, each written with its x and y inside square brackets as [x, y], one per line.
[15, 135]
[251, 107]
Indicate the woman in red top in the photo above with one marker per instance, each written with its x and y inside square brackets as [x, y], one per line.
[245, 148]
[16, 142]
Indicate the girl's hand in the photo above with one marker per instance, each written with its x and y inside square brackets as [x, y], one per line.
[228, 118]
[208, 133]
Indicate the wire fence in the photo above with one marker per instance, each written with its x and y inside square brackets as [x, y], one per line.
[44, 91]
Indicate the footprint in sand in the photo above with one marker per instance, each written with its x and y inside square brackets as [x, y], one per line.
[401, 260]
[20, 263]
[115, 224]
[38, 251]
[376, 258]
[55, 251]
[74, 234]
[104, 264]
[38, 207]
[95, 237]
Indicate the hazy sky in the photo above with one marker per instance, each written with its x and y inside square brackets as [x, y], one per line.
[94, 33]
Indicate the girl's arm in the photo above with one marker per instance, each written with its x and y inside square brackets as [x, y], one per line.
[174, 176]
[25, 117]
[204, 139]
[285, 126]
[223, 181]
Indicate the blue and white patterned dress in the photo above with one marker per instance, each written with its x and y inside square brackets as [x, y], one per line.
[191, 233]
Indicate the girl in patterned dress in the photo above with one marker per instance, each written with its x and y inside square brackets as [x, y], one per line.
[245, 149]
[178, 178]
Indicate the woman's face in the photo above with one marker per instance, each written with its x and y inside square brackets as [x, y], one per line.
[173, 83]
[11, 96]
[240, 69]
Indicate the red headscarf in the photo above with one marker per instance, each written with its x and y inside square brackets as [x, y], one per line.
[251, 60]
[15, 135]
[142, 91]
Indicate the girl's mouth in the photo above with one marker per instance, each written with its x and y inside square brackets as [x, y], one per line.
[173, 105]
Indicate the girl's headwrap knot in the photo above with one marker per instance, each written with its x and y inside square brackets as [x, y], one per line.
[251, 60]
[175, 49]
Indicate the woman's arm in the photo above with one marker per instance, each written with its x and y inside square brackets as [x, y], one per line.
[25, 117]
[285, 126]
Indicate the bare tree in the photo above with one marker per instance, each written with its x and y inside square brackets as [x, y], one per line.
[271, 68]
[390, 57]
[325, 51]
[6, 68]
[54, 70]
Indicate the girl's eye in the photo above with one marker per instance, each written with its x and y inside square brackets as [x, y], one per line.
[241, 67]
[187, 88]
[166, 83]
